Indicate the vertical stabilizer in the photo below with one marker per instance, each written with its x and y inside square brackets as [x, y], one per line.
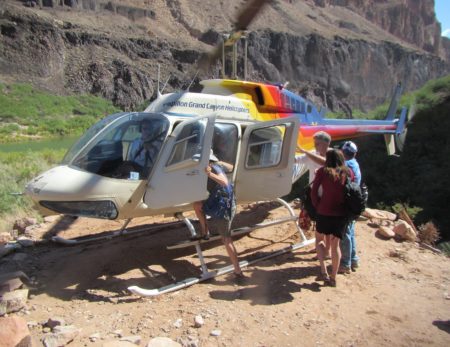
[394, 102]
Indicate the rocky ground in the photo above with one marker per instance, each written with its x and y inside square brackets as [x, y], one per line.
[400, 296]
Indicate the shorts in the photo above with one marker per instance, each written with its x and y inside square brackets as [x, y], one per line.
[220, 226]
[331, 225]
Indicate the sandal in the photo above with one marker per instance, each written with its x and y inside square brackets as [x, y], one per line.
[323, 277]
[331, 282]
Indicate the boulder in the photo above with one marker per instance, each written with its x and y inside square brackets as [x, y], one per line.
[378, 214]
[14, 332]
[53, 322]
[5, 238]
[386, 232]
[405, 231]
[13, 301]
[61, 336]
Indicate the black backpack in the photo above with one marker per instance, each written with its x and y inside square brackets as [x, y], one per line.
[307, 203]
[354, 199]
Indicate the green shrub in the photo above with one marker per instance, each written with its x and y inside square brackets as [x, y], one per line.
[16, 169]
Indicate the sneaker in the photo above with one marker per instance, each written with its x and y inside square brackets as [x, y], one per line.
[345, 270]
[206, 236]
[355, 265]
[196, 238]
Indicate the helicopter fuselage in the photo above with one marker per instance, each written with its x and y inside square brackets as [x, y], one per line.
[113, 172]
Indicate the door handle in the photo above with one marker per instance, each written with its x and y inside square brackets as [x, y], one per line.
[192, 173]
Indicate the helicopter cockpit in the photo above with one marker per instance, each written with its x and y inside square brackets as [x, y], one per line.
[124, 145]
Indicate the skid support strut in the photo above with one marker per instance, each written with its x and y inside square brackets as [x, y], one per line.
[206, 274]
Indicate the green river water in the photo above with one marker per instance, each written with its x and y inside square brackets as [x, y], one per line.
[38, 145]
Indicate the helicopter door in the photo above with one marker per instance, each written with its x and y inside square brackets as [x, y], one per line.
[266, 160]
[179, 176]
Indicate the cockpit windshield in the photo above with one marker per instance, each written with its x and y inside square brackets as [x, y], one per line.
[124, 145]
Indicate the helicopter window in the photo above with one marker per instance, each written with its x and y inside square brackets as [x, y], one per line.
[288, 101]
[188, 142]
[265, 147]
[118, 149]
[282, 99]
[309, 109]
[224, 143]
[89, 135]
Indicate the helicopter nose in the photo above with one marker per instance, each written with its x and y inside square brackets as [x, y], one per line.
[34, 187]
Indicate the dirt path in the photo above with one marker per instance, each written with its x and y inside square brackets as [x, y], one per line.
[399, 296]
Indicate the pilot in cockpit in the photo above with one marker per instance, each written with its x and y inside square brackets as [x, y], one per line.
[143, 150]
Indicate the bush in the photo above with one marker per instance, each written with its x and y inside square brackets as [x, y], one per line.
[16, 169]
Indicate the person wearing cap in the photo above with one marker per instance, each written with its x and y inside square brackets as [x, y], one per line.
[349, 259]
[218, 187]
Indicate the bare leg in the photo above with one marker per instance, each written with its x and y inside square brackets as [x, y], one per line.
[335, 255]
[201, 217]
[320, 248]
[327, 246]
[232, 253]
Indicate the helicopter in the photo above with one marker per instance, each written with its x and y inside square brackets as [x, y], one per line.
[253, 127]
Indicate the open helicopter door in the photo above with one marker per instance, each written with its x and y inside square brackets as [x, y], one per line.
[266, 159]
[179, 177]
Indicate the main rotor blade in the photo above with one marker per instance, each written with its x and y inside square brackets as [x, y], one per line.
[249, 13]
[244, 18]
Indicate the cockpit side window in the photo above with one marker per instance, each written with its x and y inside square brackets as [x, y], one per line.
[265, 147]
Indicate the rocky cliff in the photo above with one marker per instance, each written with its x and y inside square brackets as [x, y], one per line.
[330, 50]
[411, 20]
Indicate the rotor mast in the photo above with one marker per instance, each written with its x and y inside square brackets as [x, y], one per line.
[232, 40]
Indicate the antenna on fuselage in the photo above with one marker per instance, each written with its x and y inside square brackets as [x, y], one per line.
[159, 76]
[164, 86]
[193, 79]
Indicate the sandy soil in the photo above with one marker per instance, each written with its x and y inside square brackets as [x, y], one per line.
[398, 297]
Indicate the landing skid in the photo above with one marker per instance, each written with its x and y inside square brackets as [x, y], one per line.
[122, 232]
[206, 274]
[234, 233]
[222, 271]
